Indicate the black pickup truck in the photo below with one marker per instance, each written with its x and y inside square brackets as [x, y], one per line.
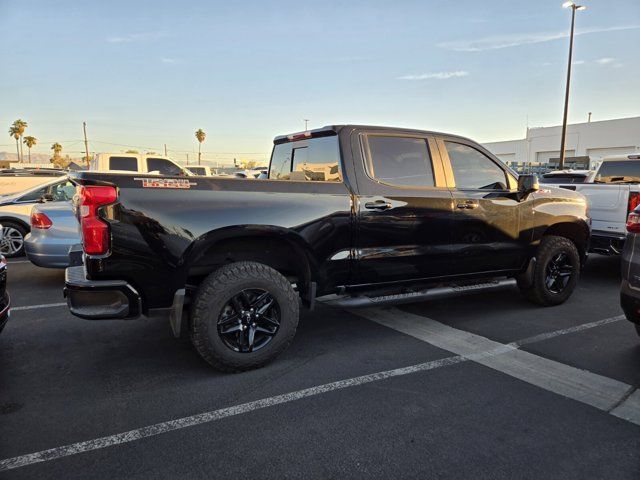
[361, 215]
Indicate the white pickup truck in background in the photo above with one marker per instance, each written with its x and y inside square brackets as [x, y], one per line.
[614, 193]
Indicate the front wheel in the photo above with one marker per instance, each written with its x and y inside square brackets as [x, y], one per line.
[555, 274]
[244, 315]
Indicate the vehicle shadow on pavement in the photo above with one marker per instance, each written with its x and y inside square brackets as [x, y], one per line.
[507, 316]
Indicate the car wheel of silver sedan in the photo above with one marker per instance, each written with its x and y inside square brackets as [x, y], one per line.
[12, 241]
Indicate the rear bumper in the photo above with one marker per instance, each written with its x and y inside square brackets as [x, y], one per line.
[630, 302]
[47, 253]
[606, 243]
[100, 299]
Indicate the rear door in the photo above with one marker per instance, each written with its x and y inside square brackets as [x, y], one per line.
[608, 205]
[489, 228]
[404, 209]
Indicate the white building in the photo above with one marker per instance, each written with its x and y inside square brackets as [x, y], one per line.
[586, 143]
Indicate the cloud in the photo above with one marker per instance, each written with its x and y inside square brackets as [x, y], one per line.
[578, 62]
[605, 60]
[515, 40]
[168, 60]
[435, 75]
[135, 37]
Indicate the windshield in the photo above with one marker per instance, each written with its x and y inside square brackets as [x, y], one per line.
[619, 171]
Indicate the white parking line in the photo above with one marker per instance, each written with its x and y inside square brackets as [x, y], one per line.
[629, 409]
[33, 307]
[202, 418]
[207, 417]
[596, 390]
[13, 262]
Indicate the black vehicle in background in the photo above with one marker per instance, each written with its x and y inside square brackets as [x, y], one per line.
[373, 214]
[630, 288]
[5, 302]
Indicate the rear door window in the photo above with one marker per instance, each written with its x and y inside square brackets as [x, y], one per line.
[401, 161]
[123, 163]
[62, 192]
[33, 196]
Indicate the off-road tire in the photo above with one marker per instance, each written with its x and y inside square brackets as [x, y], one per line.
[216, 290]
[537, 291]
[22, 230]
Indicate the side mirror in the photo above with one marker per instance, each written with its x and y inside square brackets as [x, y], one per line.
[527, 184]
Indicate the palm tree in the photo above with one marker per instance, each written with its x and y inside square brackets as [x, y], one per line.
[15, 133]
[57, 148]
[30, 141]
[21, 126]
[200, 135]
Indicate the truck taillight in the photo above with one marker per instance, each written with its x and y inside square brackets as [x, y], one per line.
[40, 220]
[633, 223]
[95, 231]
[634, 201]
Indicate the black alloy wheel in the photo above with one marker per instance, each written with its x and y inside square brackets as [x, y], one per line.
[559, 272]
[249, 320]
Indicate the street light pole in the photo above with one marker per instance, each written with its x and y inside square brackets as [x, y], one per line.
[563, 140]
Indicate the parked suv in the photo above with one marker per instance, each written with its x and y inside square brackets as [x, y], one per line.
[373, 214]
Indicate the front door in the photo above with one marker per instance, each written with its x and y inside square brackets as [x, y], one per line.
[487, 231]
[404, 210]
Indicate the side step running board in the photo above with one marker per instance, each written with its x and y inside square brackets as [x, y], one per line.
[421, 295]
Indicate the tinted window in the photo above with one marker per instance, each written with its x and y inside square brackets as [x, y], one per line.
[400, 161]
[563, 178]
[619, 171]
[33, 196]
[473, 169]
[123, 163]
[198, 170]
[281, 162]
[307, 160]
[165, 167]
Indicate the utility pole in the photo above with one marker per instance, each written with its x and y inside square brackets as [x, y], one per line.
[165, 149]
[187, 159]
[86, 143]
[563, 139]
[589, 121]
[306, 123]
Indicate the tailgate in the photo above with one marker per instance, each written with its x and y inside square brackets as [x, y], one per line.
[607, 206]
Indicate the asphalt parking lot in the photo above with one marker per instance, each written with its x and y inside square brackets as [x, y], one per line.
[496, 388]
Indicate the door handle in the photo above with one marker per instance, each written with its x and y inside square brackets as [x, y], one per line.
[377, 205]
[468, 205]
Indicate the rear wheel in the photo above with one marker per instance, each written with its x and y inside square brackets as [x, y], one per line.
[555, 274]
[12, 241]
[244, 315]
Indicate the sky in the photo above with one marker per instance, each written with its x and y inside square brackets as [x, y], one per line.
[146, 73]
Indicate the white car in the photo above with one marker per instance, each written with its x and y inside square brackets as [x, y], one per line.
[136, 162]
[614, 193]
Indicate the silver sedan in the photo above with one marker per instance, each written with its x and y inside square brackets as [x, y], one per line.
[54, 229]
[16, 208]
